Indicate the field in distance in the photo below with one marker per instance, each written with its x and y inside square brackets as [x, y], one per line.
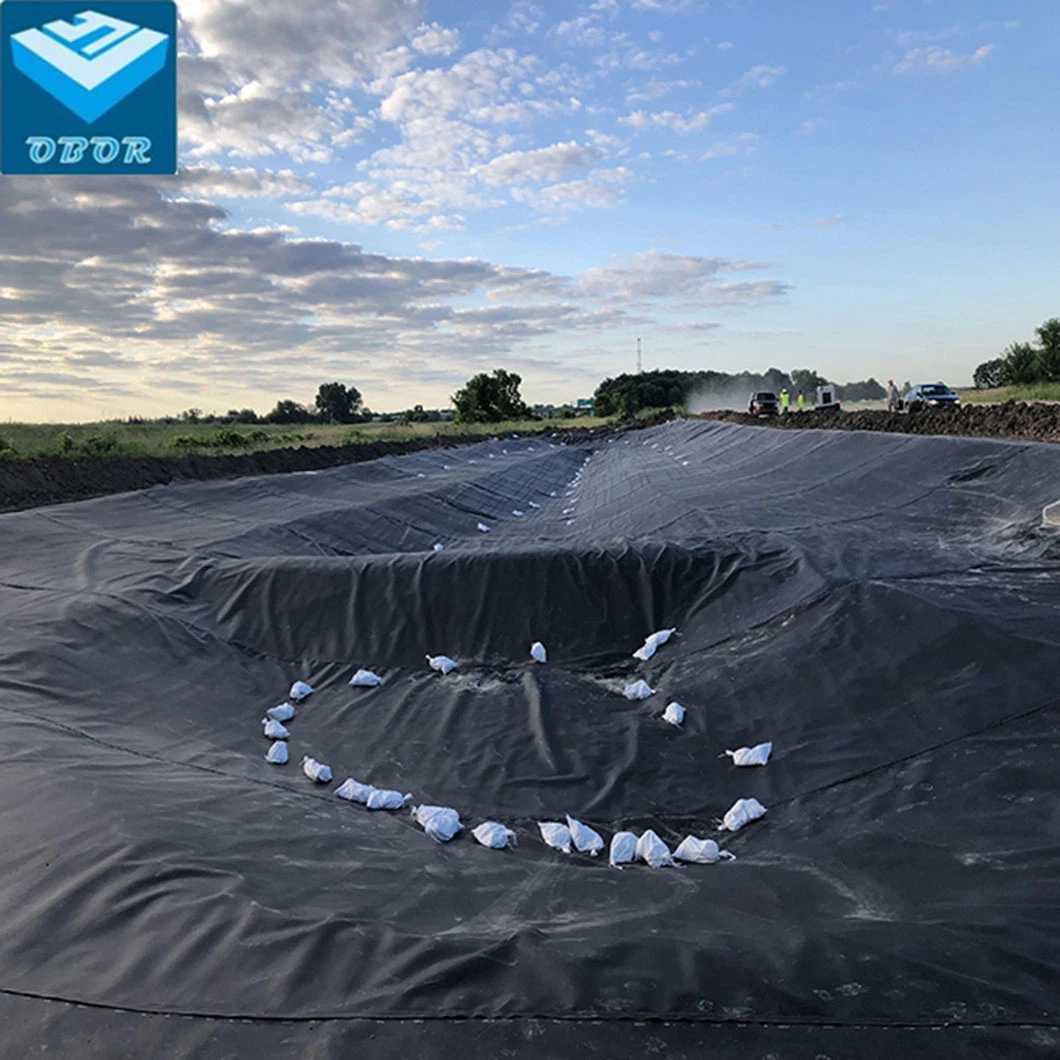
[121, 439]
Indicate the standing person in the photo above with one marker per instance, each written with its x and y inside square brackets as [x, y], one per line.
[800, 401]
[894, 403]
[784, 400]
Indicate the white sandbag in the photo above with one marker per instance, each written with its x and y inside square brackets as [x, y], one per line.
[652, 850]
[751, 756]
[438, 546]
[383, 799]
[638, 690]
[277, 754]
[284, 712]
[299, 690]
[652, 643]
[534, 504]
[365, 679]
[316, 770]
[742, 811]
[537, 652]
[354, 791]
[586, 841]
[439, 822]
[274, 730]
[484, 528]
[623, 848]
[442, 663]
[556, 835]
[493, 835]
[421, 475]
[515, 511]
[700, 851]
[674, 713]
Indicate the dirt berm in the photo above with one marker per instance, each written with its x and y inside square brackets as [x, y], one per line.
[56, 479]
[1035, 421]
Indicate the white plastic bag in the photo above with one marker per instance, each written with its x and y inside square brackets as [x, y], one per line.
[364, 679]
[316, 770]
[534, 504]
[299, 690]
[274, 730]
[284, 712]
[484, 528]
[442, 663]
[382, 799]
[516, 512]
[674, 713]
[556, 835]
[494, 835]
[439, 822]
[742, 811]
[586, 841]
[639, 690]
[438, 546]
[700, 851]
[623, 848]
[354, 791]
[537, 652]
[652, 850]
[652, 643]
[751, 756]
[277, 753]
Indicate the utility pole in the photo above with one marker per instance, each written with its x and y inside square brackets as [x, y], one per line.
[640, 364]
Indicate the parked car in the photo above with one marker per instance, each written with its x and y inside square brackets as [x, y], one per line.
[764, 403]
[930, 395]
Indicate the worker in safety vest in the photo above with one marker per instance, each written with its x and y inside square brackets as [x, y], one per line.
[784, 399]
[800, 401]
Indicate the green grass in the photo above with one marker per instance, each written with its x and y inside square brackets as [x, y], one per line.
[116, 439]
[1033, 392]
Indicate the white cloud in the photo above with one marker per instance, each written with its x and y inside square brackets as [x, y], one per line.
[542, 164]
[744, 144]
[654, 89]
[939, 60]
[808, 128]
[827, 222]
[725, 45]
[689, 122]
[760, 76]
[268, 77]
[214, 180]
[435, 39]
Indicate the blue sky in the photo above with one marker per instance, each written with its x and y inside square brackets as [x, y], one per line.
[398, 194]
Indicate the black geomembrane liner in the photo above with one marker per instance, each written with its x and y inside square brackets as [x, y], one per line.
[884, 608]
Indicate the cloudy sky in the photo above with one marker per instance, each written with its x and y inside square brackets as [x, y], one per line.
[400, 193]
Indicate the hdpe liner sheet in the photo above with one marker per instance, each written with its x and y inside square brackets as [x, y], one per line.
[883, 608]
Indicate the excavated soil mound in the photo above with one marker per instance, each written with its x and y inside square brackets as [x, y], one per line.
[56, 479]
[1034, 421]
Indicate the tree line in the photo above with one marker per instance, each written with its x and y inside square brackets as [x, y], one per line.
[1024, 363]
[629, 393]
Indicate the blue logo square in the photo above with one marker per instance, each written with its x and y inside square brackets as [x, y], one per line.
[88, 87]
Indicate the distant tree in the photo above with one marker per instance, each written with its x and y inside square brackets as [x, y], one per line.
[191, 416]
[490, 398]
[241, 416]
[867, 390]
[1022, 365]
[1049, 350]
[806, 381]
[288, 411]
[990, 374]
[338, 403]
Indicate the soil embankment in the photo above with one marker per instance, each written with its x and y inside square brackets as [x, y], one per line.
[56, 479]
[1019, 420]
